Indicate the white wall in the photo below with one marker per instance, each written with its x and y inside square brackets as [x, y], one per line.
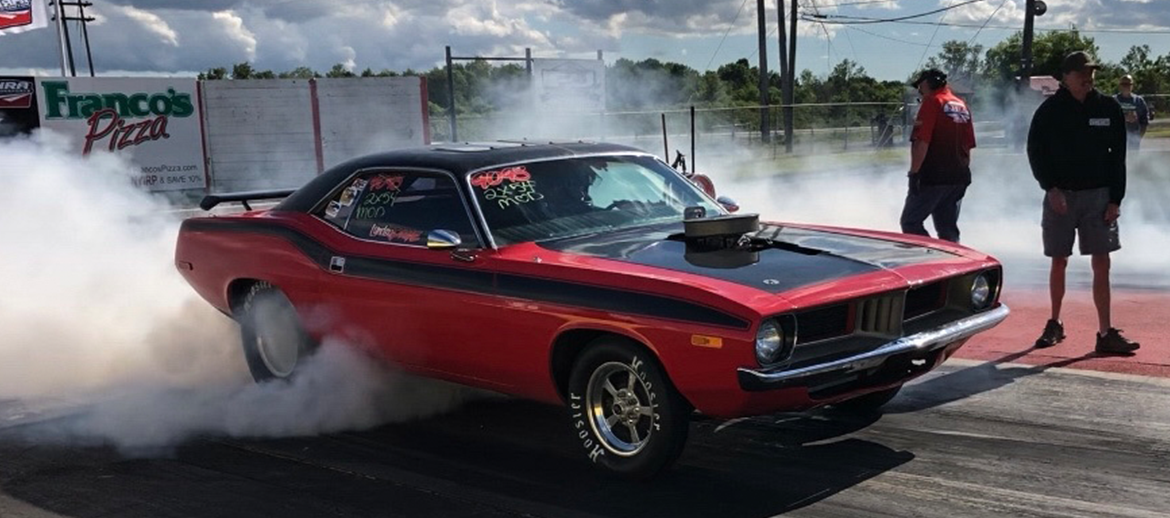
[261, 134]
[365, 115]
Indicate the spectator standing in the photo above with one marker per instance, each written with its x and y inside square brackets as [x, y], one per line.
[1076, 147]
[1137, 112]
[940, 159]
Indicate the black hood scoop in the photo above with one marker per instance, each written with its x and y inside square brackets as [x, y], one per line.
[742, 250]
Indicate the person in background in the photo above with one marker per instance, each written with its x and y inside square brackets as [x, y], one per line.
[1137, 113]
[940, 159]
[1076, 147]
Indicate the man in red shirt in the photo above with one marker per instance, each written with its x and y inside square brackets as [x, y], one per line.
[940, 159]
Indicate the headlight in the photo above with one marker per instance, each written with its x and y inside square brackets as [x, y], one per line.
[769, 341]
[980, 292]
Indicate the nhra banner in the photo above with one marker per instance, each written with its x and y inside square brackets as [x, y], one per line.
[22, 15]
[18, 106]
[153, 122]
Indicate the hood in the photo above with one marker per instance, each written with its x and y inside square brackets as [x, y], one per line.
[775, 259]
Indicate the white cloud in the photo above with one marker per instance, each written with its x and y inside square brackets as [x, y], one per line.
[152, 23]
[992, 12]
[164, 36]
[234, 26]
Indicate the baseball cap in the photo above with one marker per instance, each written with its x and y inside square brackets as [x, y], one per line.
[1077, 61]
[930, 73]
[1126, 80]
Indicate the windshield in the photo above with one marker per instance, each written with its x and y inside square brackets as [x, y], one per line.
[563, 198]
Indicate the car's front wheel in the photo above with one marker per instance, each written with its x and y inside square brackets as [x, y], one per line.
[871, 402]
[629, 418]
[274, 340]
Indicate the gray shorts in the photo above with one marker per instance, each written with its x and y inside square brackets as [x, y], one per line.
[1085, 218]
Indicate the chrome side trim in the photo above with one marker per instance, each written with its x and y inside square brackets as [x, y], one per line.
[924, 341]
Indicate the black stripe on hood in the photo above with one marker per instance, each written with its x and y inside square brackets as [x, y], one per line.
[779, 258]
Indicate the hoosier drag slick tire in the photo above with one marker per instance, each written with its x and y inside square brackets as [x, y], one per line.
[274, 340]
[629, 419]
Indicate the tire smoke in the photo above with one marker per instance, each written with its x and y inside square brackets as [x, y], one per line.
[102, 342]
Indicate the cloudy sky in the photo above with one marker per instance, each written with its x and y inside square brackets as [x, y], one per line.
[183, 37]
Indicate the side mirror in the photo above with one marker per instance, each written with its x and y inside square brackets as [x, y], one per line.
[728, 203]
[440, 239]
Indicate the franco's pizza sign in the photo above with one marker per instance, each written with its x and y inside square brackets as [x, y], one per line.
[154, 122]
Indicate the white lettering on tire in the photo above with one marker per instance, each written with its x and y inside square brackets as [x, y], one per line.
[595, 450]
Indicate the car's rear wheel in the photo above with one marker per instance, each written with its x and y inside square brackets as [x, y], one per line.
[628, 416]
[274, 340]
[871, 402]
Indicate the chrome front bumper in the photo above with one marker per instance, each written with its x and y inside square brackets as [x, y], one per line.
[926, 341]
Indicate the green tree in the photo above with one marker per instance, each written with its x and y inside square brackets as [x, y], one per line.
[299, 73]
[214, 74]
[1150, 74]
[339, 70]
[242, 71]
[958, 59]
[1002, 64]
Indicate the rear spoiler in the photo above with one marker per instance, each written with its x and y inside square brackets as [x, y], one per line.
[211, 200]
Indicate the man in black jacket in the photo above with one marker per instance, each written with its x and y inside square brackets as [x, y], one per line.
[1076, 147]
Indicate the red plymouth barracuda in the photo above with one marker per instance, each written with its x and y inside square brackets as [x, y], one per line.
[586, 275]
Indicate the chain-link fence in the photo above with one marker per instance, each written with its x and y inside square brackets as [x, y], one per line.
[818, 128]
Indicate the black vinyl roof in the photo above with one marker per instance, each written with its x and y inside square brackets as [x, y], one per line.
[457, 158]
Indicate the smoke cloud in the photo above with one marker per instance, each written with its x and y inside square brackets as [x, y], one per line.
[866, 189]
[1000, 215]
[101, 341]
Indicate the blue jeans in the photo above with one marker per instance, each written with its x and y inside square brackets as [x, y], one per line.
[939, 202]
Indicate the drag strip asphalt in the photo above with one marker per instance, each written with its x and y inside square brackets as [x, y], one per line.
[972, 439]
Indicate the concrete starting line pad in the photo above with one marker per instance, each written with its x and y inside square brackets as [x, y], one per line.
[1142, 316]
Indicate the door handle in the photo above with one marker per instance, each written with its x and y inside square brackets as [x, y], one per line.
[337, 264]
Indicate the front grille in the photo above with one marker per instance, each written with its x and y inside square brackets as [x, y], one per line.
[822, 323]
[924, 299]
[880, 315]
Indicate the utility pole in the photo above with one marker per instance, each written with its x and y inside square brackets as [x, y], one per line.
[451, 97]
[1026, 54]
[1032, 9]
[62, 36]
[784, 68]
[83, 21]
[765, 129]
[789, 90]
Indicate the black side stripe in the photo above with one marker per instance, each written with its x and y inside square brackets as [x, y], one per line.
[462, 279]
[615, 300]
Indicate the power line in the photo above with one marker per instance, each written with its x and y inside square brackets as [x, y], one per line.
[891, 38]
[993, 13]
[931, 42]
[1010, 28]
[755, 49]
[729, 27]
[851, 20]
[860, 2]
[828, 40]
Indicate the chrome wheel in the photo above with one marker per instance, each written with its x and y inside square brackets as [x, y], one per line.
[278, 340]
[273, 338]
[621, 408]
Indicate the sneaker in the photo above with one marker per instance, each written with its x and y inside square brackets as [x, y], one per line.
[1113, 343]
[1052, 335]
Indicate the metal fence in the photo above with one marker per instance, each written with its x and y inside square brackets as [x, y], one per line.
[818, 127]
